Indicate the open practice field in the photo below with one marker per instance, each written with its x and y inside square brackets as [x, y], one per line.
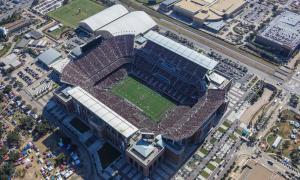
[70, 15]
[153, 104]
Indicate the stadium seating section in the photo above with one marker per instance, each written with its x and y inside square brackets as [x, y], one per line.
[100, 62]
[159, 68]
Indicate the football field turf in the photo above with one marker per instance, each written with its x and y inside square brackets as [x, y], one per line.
[70, 15]
[153, 104]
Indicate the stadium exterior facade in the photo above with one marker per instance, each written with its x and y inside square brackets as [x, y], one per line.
[166, 66]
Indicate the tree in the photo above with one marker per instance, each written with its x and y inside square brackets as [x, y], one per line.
[7, 89]
[1, 129]
[19, 98]
[21, 173]
[26, 123]
[34, 110]
[41, 129]
[7, 169]
[1, 96]
[3, 152]
[252, 139]
[29, 107]
[286, 144]
[60, 159]
[13, 156]
[13, 138]
[65, 2]
[295, 157]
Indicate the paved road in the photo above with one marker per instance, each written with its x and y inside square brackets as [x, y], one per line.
[228, 160]
[276, 164]
[206, 39]
[213, 151]
[231, 160]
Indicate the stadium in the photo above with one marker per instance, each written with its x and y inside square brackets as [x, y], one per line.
[150, 100]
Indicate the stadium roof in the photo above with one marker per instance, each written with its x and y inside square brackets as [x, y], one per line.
[103, 18]
[136, 23]
[50, 56]
[102, 111]
[181, 50]
[59, 65]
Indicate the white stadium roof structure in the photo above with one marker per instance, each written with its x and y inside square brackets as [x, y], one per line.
[110, 117]
[136, 23]
[181, 50]
[103, 18]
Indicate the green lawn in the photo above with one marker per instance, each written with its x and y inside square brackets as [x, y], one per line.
[232, 136]
[56, 33]
[221, 130]
[150, 102]
[271, 138]
[213, 140]
[218, 160]
[210, 166]
[204, 174]
[227, 124]
[5, 48]
[69, 14]
[204, 151]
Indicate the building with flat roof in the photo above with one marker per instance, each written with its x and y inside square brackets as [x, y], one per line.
[145, 154]
[17, 25]
[201, 11]
[282, 34]
[49, 56]
[11, 61]
[167, 5]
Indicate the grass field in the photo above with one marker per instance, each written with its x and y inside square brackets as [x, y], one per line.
[56, 33]
[69, 16]
[152, 104]
[4, 49]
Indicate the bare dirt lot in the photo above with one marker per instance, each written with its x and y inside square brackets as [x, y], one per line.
[253, 110]
[257, 171]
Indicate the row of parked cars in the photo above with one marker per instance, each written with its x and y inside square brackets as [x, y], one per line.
[25, 78]
[32, 73]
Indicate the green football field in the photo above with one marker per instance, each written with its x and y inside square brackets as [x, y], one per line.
[153, 104]
[70, 15]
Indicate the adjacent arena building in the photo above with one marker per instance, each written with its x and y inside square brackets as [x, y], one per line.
[164, 69]
[117, 20]
[282, 34]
